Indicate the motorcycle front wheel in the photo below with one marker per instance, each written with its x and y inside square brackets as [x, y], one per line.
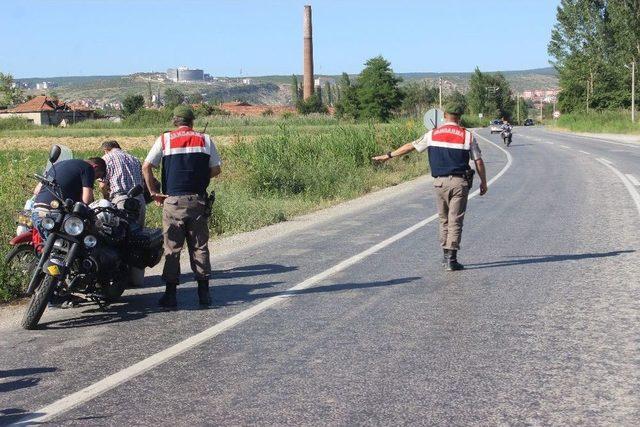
[38, 302]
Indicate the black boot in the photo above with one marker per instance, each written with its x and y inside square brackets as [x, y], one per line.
[168, 300]
[203, 293]
[445, 257]
[452, 261]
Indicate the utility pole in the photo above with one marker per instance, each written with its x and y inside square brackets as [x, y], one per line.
[633, 91]
[587, 96]
[518, 106]
[541, 106]
[440, 92]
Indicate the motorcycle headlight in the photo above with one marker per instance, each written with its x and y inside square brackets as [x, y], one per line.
[48, 223]
[90, 241]
[73, 226]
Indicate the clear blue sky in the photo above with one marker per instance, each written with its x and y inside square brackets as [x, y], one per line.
[99, 37]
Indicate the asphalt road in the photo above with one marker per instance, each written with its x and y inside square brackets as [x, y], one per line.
[541, 328]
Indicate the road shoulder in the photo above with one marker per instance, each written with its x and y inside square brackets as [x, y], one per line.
[609, 137]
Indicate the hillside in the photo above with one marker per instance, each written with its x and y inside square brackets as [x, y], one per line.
[261, 90]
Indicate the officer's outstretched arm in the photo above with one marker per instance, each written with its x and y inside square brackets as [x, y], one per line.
[406, 148]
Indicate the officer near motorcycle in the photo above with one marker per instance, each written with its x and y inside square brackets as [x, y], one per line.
[189, 160]
[450, 148]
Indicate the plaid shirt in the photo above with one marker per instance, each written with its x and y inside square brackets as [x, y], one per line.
[123, 171]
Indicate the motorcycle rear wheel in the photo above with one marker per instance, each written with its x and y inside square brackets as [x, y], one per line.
[21, 260]
[38, 303]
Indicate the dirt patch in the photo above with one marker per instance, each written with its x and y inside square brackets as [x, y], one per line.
[89, 143]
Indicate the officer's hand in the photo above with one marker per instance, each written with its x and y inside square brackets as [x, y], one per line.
[158, 198]
[483, 188]
[380, 159]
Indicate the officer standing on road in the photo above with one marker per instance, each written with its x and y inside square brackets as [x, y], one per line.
[450, 147]
[189, 160]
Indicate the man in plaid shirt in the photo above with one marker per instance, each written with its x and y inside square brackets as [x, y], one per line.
[124, 172]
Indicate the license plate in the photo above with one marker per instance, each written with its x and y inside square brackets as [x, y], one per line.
[53, 270]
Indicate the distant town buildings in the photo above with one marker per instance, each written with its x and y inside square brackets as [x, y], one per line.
[45, 85]
[541, 95]
[184, 74]
[321, 81]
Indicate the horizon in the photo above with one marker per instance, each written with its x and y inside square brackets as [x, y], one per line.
[443, 73]
[227, 38]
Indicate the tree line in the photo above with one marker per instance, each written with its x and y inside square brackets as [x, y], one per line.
[378, 93]
[593, 44]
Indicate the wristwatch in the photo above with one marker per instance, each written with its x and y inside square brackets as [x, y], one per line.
[389, 154]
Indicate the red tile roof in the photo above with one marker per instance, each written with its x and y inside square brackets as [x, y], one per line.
[37, 104]
[44, 103]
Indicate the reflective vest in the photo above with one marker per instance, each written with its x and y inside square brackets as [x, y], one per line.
[449, 150]
[185, 162]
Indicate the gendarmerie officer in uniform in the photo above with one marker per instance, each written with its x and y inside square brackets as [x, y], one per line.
[450, 147]
[189, 160]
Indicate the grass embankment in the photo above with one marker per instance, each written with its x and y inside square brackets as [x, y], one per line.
[598, 122]
[282, 171]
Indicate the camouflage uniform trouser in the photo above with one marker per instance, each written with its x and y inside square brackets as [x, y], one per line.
[183, 218]
[452, 193]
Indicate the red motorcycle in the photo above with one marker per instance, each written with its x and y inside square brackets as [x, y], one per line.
[23, 257]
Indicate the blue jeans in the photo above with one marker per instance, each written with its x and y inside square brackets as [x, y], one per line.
[37, 223]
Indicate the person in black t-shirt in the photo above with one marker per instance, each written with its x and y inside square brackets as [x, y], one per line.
[75, 178]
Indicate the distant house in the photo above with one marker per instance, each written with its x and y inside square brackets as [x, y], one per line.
[43, 110]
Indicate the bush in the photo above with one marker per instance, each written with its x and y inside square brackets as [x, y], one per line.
[313, 104]
[473, 121]
[205, 110]
[267, 113]
[148, 118]
[15, 123]
[131, 104]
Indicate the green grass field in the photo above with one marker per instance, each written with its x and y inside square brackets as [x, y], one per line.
[598, 122]
[282, 168]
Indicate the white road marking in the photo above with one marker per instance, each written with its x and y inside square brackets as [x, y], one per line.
[96, 389]
[563, 146]
[634, 193]
[547, 142]
[585, 152]
[633, 179]
[605, 161]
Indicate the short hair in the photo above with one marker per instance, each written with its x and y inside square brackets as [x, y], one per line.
[181, 121]
[110, 145]
[101, 165]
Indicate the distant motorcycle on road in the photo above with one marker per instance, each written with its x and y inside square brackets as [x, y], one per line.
[507, 135]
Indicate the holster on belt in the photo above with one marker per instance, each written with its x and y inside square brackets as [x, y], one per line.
[210, 199]
[468, 175]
